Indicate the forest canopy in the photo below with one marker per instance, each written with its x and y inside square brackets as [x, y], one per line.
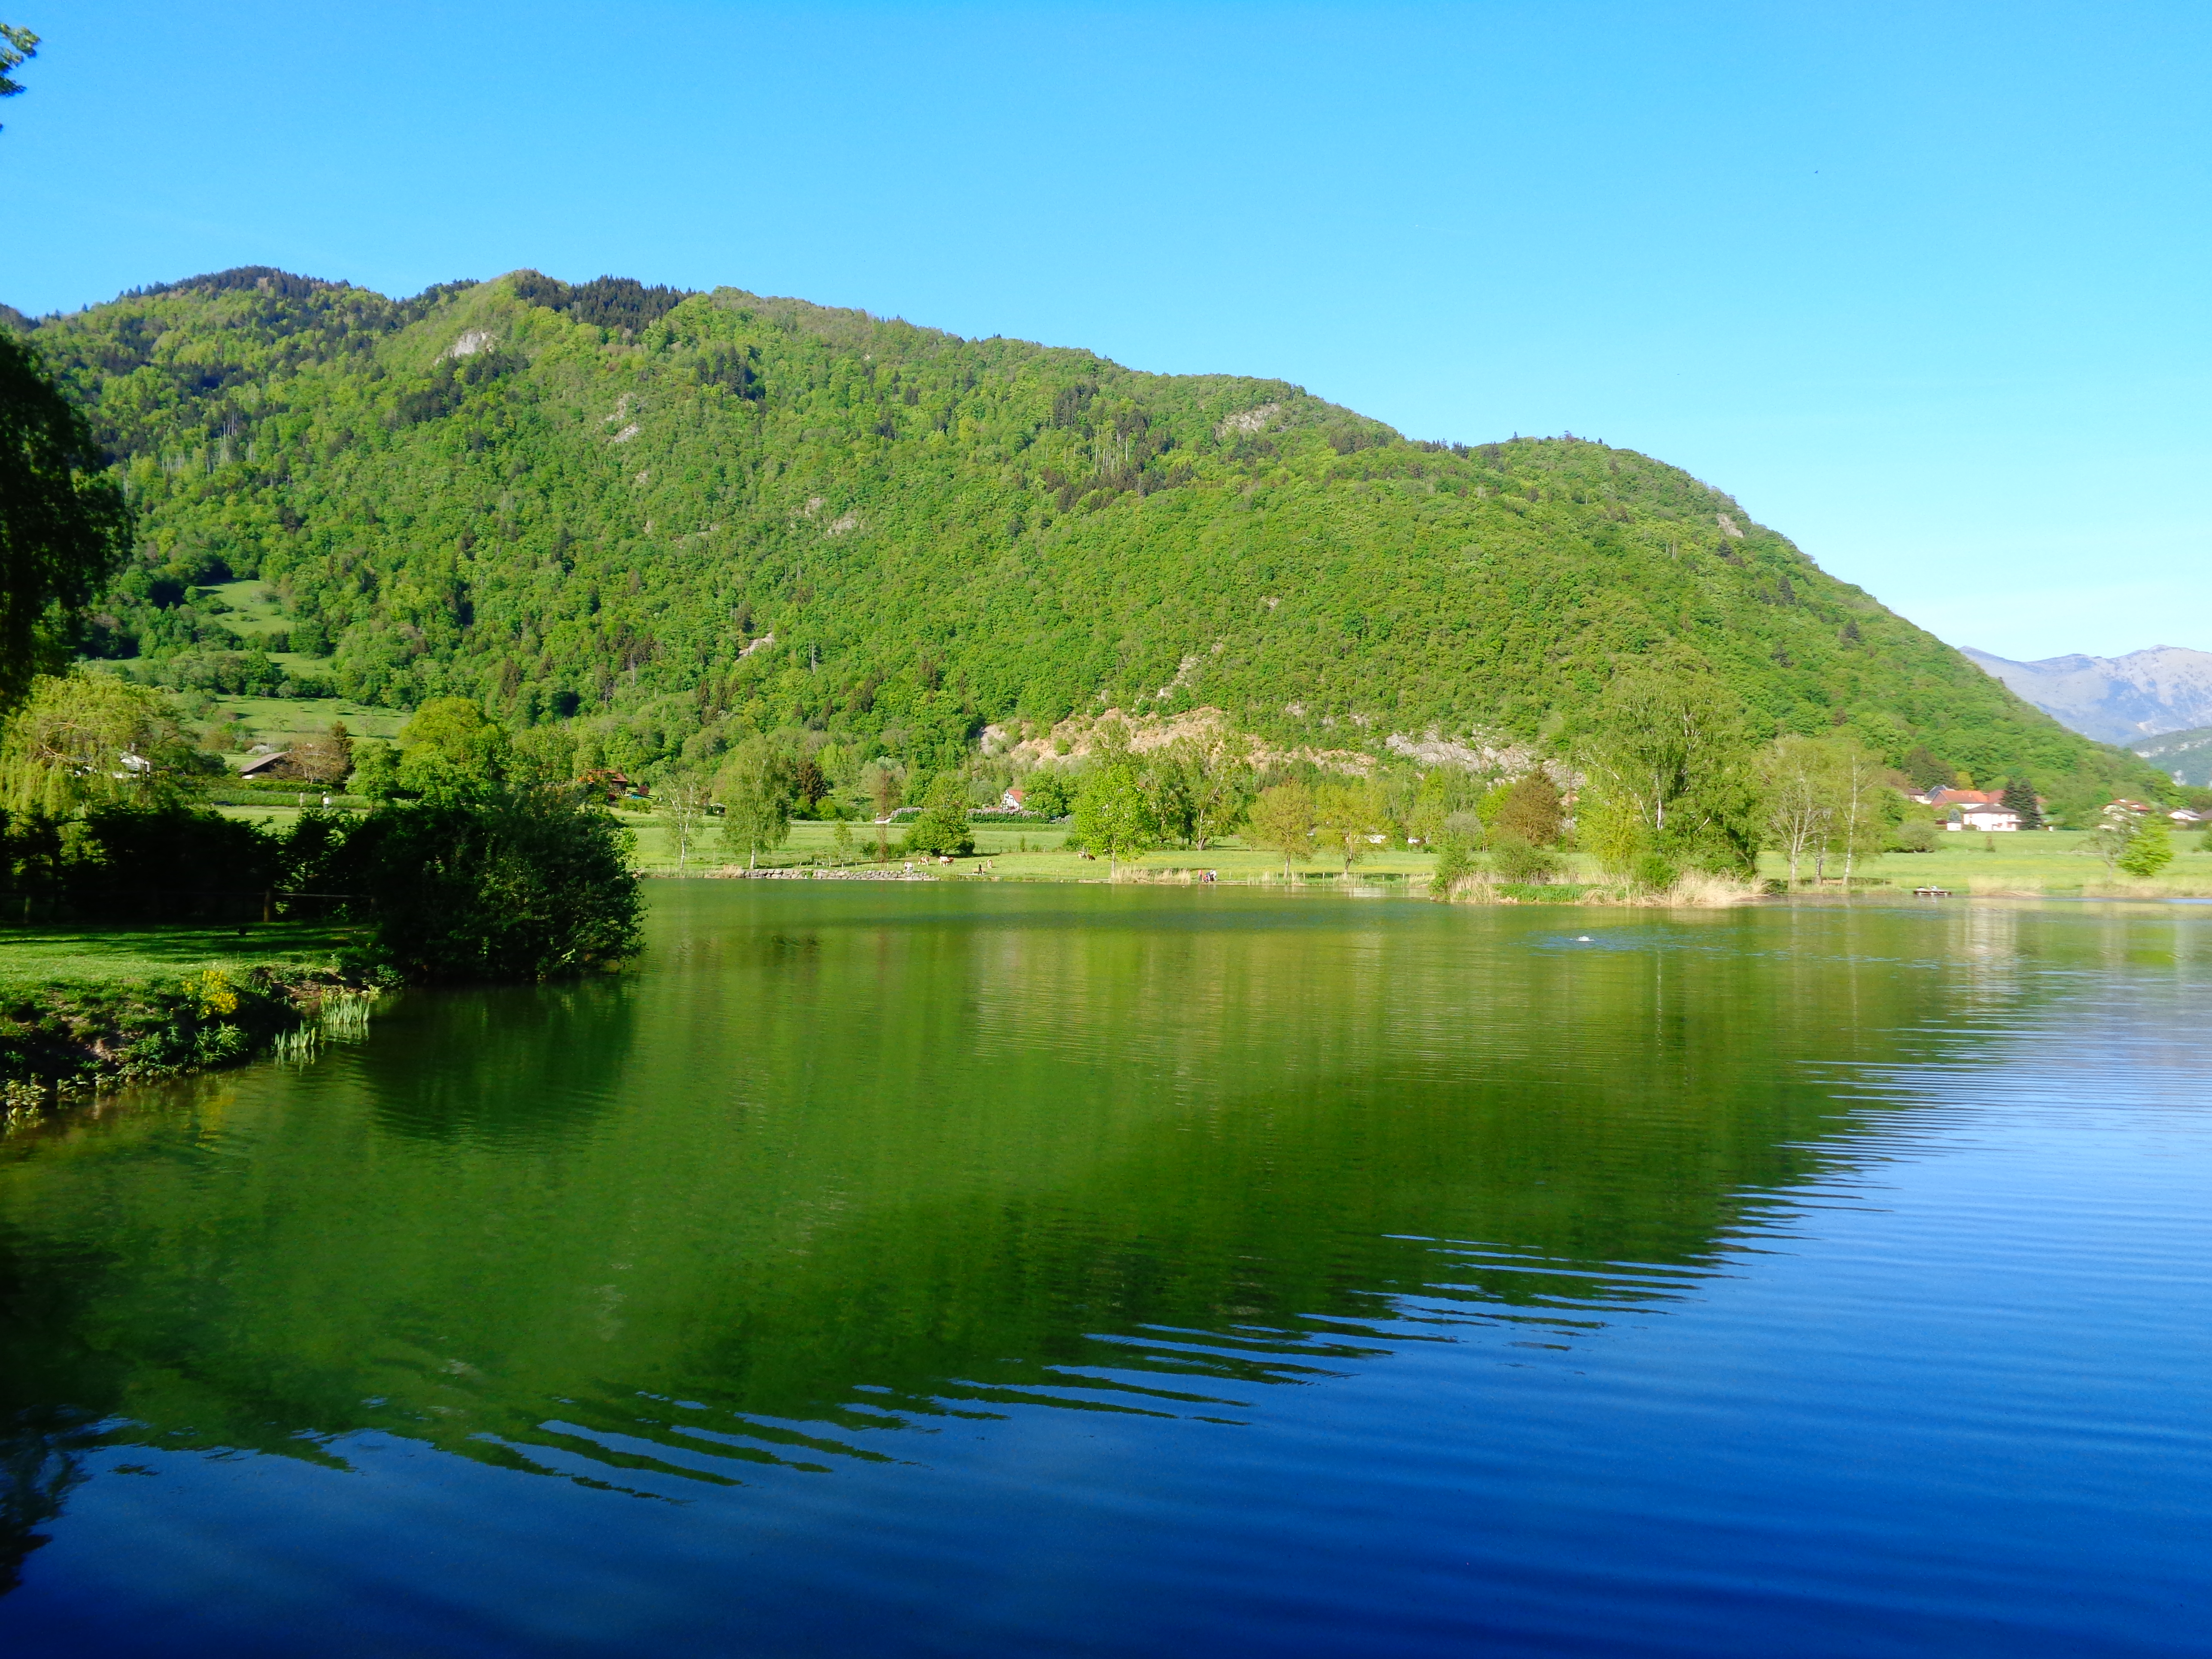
[680, 520]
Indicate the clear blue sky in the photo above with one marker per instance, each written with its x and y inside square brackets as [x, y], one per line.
[1925, 286]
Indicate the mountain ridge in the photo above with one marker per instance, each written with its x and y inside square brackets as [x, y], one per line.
[2185, 756]
[673, 517]
[2162, 688]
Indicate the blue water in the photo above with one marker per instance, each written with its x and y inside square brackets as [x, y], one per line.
[992, 1272]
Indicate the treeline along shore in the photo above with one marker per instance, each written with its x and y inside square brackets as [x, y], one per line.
[623, 579]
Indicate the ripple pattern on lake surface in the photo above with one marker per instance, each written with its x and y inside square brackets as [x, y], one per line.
[985, 1269]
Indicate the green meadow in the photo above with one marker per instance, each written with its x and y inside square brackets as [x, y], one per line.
[2056, 863]
[32, 957]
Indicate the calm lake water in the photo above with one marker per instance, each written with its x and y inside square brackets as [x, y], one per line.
[1059, 1270]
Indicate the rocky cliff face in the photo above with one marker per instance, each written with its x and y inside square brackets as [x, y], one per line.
[2118, 700]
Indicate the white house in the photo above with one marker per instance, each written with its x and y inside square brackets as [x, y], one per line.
[1990, 818]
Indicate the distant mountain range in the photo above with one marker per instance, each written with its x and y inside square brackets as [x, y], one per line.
[2122, 700]
[2186, 755]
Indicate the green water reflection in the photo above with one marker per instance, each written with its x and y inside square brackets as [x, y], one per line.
[837, 1160]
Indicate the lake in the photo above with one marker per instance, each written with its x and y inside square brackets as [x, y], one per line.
[1056, 1270]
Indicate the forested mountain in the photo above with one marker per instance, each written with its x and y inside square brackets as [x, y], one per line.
[679, 516]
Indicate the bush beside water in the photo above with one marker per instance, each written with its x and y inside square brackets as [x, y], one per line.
[513, 883]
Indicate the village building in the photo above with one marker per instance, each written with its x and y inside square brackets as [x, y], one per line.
[1993, 819]
[276, 763]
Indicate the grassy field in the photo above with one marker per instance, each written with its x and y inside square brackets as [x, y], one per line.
[277, 721]
[2056, 862]
[104, 956]
[253, 609]
[2018, 863]
[1992, 865]
[253, 615]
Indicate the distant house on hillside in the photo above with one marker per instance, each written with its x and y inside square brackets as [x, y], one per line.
[276, 763]
[1012, 799]
[1946, 796]
[1985, 816]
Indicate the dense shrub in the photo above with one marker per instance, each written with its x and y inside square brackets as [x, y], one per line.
[1521, 861]
[179, 864]
[513, 884]
[1914, 835]
[941, 829]
[518, 885]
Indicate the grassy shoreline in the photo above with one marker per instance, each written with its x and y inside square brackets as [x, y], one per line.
[87, 1008]
[2016, 865]
[2020, 865]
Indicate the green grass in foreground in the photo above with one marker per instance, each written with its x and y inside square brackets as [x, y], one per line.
[104, 956]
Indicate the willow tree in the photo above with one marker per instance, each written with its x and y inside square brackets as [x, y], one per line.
[89, 739]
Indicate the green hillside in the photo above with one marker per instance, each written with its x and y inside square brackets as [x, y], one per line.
[679, 516]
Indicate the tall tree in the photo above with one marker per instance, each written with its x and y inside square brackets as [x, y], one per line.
[1531, 810]
[1114, 814]
[1349, 816]
[1858, 822]
[1217, 784]
[63, 527]
[1282, 821]
[2019, 797]
[63, 523]
[755, 787]
[1796, 771]
[17, 45]
[681, 805]
[1668, 742]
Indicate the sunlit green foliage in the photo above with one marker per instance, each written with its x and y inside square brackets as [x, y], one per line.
[1282, 820]
[681, 520]
[2149, 850]
[85, 739]
[753, 788]
[1115, 814]
[1667, 755]
[515, 885]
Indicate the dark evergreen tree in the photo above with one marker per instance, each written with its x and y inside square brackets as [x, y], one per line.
[2019, 797]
